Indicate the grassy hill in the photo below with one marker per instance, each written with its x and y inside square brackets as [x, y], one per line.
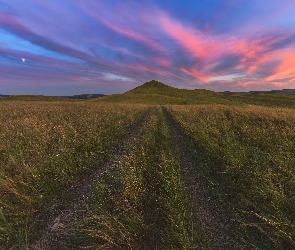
[115, 175]
[157, 93]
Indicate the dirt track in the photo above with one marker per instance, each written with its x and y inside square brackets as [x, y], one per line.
[58, 226]
[220, 230]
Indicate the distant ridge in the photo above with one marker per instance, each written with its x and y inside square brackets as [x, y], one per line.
[157, 93]
[3, 96]
[281, 91]
[46, 98]
[84, 96]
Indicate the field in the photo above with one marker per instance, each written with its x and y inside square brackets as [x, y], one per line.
[247, 156]
[154, 168]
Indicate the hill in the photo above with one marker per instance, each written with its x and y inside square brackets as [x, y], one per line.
[157, 93]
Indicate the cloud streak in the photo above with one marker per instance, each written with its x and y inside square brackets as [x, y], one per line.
[74, 46]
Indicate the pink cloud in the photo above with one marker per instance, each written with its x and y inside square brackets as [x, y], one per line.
[286, 69]
[194, 41]
[196, 74]
[210, 50]
[144, 43]
[162, 62]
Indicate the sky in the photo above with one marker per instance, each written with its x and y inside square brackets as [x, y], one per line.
[67, 47]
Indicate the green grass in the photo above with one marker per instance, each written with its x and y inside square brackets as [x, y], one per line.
[47, 146]
[247, 156]
[245, 152]
[270, 100]
[143, 203]
[157, 93]
[151, 99]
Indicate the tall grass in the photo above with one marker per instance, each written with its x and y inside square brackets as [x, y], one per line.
[47, 146]
[142, 203]
[247, 156]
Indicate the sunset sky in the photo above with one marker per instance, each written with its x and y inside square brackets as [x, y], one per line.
[66, 47]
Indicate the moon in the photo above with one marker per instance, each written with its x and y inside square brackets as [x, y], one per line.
[23, 59]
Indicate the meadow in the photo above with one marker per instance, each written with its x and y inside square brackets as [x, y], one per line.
[246, 154]
[125, 160]
[47, 146]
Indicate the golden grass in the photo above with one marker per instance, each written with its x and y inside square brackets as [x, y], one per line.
[247, 154]
[46, 146]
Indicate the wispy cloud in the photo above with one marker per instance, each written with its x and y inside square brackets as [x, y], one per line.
[212, 44]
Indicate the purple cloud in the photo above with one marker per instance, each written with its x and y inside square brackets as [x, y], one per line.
[74, 46]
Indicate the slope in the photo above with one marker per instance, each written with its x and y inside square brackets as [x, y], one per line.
[157, 93]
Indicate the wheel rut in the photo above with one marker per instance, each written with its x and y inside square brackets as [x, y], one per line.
[220, 230]
[59, 226]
